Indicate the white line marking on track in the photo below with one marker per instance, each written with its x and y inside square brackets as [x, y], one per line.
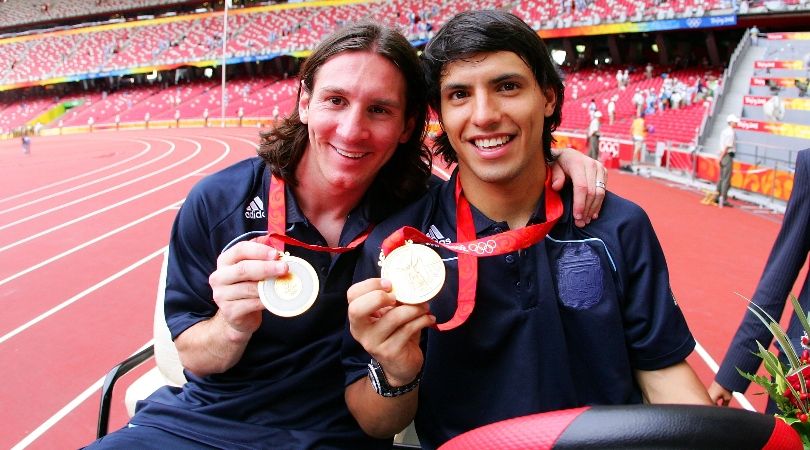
[79, 296]
[122, 202]
[59, 415]
[441, 173]
[90, 183]
[173, 206]
[98, 193]
[707, 358]
[73, 404]
[67, 180]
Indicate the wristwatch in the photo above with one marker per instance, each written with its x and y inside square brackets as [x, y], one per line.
[380, 383]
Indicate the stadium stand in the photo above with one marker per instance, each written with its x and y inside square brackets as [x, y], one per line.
[59, 70]
[770, 69]
[28, 12]
[678, 100]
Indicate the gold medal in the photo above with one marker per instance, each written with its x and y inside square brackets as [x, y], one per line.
[293, 293]
[416, 273]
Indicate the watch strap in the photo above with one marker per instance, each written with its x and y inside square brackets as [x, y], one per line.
[379, 382]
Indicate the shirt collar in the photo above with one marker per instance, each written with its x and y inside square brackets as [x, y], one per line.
[483, 224]
[356, 222]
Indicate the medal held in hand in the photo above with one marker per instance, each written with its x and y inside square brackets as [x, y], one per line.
[412, 277]
[416, 273]
[293, 293]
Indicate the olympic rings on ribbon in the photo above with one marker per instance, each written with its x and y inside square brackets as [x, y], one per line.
[483, 247]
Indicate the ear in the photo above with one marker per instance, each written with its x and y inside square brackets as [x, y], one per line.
[407, 131]
[551, 101]
[303, 104]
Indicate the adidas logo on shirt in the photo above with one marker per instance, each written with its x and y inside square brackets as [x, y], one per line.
[436, 235]
[255, 210]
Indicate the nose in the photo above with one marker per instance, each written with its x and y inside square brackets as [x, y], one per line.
[353, 127]
[486, 111]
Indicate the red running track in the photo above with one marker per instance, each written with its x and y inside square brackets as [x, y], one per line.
[84, 219]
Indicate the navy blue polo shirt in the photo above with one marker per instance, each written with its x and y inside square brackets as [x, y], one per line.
[287, 390]
[561, 324]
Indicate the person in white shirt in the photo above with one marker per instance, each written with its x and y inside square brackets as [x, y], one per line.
[638, 102]
[774, 109]
[611, 110]
[727, 150]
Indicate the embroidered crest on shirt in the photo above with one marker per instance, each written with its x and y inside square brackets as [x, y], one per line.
[579, 276]
[255, 209]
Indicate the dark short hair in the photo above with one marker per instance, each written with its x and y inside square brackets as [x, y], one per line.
[488, 31]
[404, 177]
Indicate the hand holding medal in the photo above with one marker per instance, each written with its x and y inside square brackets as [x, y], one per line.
[294, 293]
[417, 272]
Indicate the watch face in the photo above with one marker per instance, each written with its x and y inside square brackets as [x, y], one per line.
[416, 273]
[293, 293]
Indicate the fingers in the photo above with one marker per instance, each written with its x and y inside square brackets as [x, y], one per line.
[234, 284]
[364, 287]
[247, 262]
[593, 207]
[720, 396]
[588, 178]
[379, 323]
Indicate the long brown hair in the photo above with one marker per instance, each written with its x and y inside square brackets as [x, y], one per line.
[404, 177]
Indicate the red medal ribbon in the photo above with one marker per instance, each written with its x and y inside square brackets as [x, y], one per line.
[469, 248]
[277, 223]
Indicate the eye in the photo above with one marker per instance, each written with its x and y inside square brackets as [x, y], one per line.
[509, 86]
[337, 101]
[378, 110]
[458, 95]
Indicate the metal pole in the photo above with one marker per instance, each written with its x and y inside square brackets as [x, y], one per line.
[224, 47]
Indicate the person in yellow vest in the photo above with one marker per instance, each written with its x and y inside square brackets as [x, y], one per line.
[638, 130]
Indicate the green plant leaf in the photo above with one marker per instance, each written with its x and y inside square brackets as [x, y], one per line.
[797, 309]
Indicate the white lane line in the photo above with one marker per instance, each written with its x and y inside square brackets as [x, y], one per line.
[707, 358]
[39, 265]
[79, 296]
[104, 191]
[39, 431]
[90, 183]
[73, 404]
[122, 202]
[85, 174]
[67, 409]
[441, 173]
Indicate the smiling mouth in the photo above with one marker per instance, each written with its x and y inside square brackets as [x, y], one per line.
[350, 155]
[490, 143]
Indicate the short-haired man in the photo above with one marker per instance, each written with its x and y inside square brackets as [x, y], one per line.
[575, 317]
